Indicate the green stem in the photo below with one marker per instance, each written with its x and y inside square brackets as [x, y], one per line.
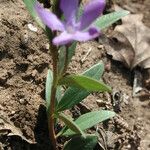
[51, 121]
[54, 53]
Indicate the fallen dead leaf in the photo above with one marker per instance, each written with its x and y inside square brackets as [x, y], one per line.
[119, 47]
[130, 44]
[7, 128]
[139, 37]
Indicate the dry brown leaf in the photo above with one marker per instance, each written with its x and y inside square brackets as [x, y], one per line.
[119, 47]
[139, 36]
[7, 128]
[130, 42]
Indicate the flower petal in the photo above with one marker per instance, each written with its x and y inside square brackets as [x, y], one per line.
[69, 8]
[48, 18]
[91, 11]
[63, 38]
[88, 35]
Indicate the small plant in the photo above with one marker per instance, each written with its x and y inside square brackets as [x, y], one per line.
[75, 23]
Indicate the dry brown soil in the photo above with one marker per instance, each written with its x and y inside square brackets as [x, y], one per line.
[24, 61]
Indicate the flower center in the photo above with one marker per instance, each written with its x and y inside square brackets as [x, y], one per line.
[70, 29]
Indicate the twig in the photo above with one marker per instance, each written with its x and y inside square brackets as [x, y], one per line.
[84, 58]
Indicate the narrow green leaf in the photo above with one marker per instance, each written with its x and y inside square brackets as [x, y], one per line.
[80, 11]
[65, 55]
[70, 124]
[73, 95]
[62, 57]
[80, 143]
[58, 94]
[30, 6]
[71, 51]
[108, 19]
[90, 119]
[83, 82]
[49, 81]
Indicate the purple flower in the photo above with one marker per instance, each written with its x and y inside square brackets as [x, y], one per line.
[72, 28]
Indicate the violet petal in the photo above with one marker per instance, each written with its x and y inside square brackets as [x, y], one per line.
[69, 8]
[48, 18]
[63, 38]
[85, 36]
[91, 11]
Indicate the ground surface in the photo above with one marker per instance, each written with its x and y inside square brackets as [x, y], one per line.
[24, 60]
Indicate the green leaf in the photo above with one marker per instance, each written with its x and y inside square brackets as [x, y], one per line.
[58, 94]
[70, 124]
[80, 143]
[80, 11]
[90, 119]
[30, 6]
[65, 55]
[73, 95]
[83, 82]
[71, 51]
[49, 81]
[108, 19]
[62, 57]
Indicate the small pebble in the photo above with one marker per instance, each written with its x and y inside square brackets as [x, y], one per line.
[34, 72]
[24, 39]
[32, 28]
[22, 101]
[47, 46]
[100, 47]
[12, 112]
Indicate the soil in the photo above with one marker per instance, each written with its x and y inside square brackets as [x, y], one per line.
[24, 61]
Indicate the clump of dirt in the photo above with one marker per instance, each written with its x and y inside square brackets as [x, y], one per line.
[24, 61]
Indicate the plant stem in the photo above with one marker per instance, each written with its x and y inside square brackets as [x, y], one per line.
[51, 123]
[51, 118]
